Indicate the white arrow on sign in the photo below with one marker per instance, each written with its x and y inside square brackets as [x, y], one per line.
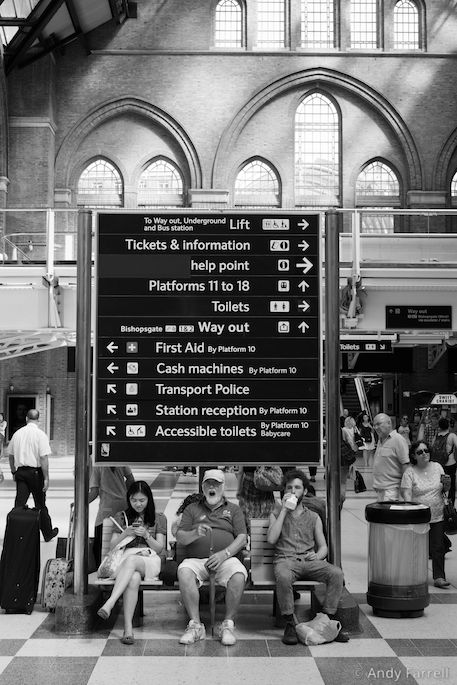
[111, 388]
[304, 245]
[111, 409]
[303, 326]
[110, 430]
[111, 347]
[306, 265]
[304, 306]
[303, 285]
[112, 367]
[303, 224]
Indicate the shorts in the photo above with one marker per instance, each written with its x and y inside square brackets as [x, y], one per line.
[391, 494]
[152, 561]
[223, 574]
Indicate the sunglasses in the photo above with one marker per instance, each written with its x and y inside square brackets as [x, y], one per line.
[426, 451]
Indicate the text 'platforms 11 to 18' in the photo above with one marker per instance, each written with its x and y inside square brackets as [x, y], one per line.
[208, 341]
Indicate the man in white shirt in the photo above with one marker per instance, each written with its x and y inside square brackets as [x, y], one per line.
[28, 451]
[391, 459]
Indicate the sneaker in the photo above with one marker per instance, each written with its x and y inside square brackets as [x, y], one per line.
[441, 582]
[194, 632]
[290, 635]
[228, 632]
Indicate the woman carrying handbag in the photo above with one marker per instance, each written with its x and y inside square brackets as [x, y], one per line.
[425, 482]
[148, 530]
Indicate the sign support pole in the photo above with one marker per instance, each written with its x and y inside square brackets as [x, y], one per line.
[332, 385]
[83, 356]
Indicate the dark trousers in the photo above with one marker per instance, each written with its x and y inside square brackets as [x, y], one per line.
[30, 481]
[436, 543]
[451, 470]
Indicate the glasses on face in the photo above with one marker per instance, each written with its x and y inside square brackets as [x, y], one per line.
[424, 451]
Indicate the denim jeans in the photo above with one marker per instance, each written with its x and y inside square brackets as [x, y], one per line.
[288, 570]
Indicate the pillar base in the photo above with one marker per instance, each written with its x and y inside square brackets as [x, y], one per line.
[348, 612]
[77, 614]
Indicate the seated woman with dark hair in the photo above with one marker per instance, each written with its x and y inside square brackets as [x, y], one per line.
[148, 532]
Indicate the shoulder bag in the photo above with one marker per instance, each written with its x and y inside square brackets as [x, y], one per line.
[449, 516]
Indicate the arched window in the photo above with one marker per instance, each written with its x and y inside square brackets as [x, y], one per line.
[100, 185]
[270, 24]
[406, 26]
[454, 190]
[161, 185]
[317, 156]
[364, 24]
[378, 187]
[228, 24]
[257, 185]
[317, 24]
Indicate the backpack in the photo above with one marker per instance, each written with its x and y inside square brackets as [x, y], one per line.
[439, 452]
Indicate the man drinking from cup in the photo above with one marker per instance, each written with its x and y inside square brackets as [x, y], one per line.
[300, 552]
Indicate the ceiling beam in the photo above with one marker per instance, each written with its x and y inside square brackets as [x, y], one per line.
[39, 19]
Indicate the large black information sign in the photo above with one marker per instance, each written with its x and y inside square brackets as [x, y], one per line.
[208, 340]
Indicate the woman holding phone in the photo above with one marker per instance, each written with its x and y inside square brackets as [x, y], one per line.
[148, 531]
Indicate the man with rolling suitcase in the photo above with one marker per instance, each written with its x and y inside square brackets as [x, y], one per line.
[28, 451]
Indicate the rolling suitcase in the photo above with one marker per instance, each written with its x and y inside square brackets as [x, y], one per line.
[20, 561]
[58, 573]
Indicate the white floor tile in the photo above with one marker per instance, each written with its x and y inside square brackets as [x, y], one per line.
[217, 671]
[20, 626]
[437, 622]
[4, 661]
[62, 647]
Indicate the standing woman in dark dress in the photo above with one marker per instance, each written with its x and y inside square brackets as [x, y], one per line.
[255, 504]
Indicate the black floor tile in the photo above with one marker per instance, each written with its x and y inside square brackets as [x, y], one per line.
[404, 647]
[10, 647]
[114, 647]
[51, 671]
[364, 670]
[277, 648]
[245, 648]
[441, 647]
[207, 647]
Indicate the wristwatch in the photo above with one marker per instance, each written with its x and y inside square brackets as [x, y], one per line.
[227, 553]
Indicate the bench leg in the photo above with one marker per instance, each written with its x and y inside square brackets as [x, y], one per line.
[138, 614]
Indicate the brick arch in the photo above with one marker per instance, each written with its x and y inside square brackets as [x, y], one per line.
[317, 79]
[114, 108]
[442, 173]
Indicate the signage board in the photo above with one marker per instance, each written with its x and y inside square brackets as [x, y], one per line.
[208, 338]
[444, 398]
[364, 346]
[420, 317]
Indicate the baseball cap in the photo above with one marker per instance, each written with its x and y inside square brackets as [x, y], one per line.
[214, 474]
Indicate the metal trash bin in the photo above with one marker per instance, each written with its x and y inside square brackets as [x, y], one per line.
[398, 558]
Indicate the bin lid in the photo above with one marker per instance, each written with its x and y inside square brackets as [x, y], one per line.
[397, 512]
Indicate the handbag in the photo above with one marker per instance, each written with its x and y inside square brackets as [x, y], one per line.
[321, 629]
[115, 557]
[359, 483]
[268, 478]
[347, 454]
[449, 516]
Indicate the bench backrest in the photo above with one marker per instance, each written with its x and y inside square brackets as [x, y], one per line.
[261, 553]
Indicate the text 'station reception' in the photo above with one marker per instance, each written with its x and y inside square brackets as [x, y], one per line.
[208, 338]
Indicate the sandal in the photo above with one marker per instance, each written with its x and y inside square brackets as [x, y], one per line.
[103, 614]
[127, 640]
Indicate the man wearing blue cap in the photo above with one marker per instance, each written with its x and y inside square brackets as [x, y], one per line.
[222, 522]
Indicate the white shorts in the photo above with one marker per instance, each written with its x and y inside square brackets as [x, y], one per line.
[391, 494]
[225, 571]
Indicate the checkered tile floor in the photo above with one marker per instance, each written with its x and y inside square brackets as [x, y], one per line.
[405, 651]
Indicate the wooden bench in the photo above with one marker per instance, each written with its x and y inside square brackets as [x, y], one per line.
[261, 572]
